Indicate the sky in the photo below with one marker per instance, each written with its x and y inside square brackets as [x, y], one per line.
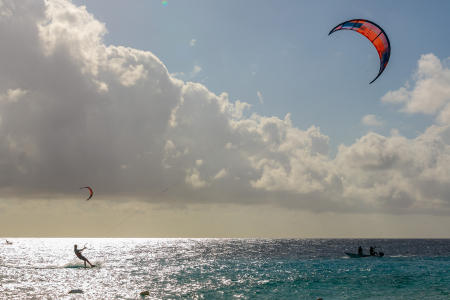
[223, 119]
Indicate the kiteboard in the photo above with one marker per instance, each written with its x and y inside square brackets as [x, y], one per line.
[79, 266]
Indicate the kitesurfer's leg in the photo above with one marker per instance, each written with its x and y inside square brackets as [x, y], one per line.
[86, 260]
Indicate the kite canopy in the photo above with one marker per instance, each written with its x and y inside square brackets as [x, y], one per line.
[374, 33]
[90, 191]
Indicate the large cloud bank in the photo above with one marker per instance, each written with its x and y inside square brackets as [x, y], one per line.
[74, 111]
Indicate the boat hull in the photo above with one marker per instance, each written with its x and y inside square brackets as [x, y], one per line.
[356, 255]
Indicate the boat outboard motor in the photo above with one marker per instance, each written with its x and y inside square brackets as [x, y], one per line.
[380, 254]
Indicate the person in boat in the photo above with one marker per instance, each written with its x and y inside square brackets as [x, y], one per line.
[360, 251]
[80, 256]
[372, 251]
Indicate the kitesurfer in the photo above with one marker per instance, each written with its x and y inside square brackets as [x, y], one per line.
[80, 256]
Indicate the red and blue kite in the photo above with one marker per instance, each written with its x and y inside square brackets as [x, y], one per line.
[375, 34]
[91, 192]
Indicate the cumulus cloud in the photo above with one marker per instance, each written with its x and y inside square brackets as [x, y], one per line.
[260, 97]
[13, 95]
[75, 111]
[194, 180]
[398, 172]
[196, 70]
[371, 120]
[188, 76]
[221, 174]
[429, 93]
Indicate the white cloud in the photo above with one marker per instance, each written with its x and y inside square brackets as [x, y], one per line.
[13, 95]
[178, 74]
[444, 115]
[195, 71]
[75, 31]
[397, 172]
[371, 120]
[193, 178]
[221, 174]
[114, 117]
[430, 92]
[260, 97]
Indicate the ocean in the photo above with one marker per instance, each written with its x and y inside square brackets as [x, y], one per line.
[47, 268]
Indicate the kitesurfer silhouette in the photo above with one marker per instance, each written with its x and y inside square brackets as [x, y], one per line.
[360, 251]
[80, 256]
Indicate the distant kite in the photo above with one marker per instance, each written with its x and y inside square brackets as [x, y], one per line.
[375, 34]
[90, 191]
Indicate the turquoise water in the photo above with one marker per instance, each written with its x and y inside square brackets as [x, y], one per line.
[224, 269]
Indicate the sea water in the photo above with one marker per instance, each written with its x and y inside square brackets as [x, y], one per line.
[36, 268]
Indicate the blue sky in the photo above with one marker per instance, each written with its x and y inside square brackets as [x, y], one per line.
[282, 50]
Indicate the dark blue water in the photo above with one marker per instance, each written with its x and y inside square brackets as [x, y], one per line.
[309, 269]
[226, 269]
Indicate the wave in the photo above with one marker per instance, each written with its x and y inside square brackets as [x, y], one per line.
[400, 255]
